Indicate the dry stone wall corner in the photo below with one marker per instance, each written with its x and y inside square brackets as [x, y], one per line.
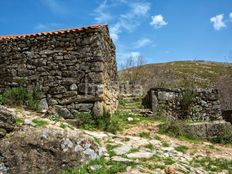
[76, 68]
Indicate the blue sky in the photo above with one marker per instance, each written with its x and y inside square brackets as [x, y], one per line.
[157, 30]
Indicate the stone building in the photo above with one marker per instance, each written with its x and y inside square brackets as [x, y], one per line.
[74, 68]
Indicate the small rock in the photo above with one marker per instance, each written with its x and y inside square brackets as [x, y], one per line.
[122, 149]
[29, 122]
[73, 87]
[95, 167]
[130, 119]
[138, 155]
[120, 159]
[43, 105]
[170, 170]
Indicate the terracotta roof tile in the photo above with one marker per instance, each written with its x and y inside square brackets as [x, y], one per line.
[53, 32]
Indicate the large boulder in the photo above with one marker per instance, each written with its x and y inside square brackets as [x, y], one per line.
[48, 150]
[7, 121]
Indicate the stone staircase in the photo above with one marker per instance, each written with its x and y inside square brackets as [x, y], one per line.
[132, 103]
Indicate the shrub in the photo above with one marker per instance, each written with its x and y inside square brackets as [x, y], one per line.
[21, 96]
[105, 122]
[173, 127]
[187, 97]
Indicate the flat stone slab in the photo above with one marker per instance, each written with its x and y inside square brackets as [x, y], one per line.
[138, 155]
[120, 159]
[122, 149]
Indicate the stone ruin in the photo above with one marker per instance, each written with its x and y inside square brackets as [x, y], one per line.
[74, 68]
[206, 105]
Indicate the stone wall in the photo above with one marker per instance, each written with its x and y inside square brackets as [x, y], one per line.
[74, 68]
[205, 105]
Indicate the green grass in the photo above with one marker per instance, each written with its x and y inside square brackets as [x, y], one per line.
[165, 144]
[55, 118]
[103, 167]
[144, 134]
[181, 148]
[19, 121]
[20, 96]
[157, 137]
[212, 165]
[126, 139]
[110, 149]
[168, 161]
[149, 146]
[63, 126]
[40, 122]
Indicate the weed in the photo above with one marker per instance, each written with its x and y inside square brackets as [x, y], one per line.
[144, 134]
[104, 167]
[63, 126]
[181, 148]
[212, 165]
[169, 161]
[110, 148]
[165, 144]
[21, 96]
[126, 139]
[149, 146]
[186, 99]
[157, 137]
[39, 122]
[55, 118]
[19, 121]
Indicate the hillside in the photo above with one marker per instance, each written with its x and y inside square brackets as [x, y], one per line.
[198, 74]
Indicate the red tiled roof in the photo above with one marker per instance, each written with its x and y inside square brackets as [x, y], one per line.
[54, 32]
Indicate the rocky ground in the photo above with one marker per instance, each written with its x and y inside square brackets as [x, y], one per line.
[153, 153]
[139, 148]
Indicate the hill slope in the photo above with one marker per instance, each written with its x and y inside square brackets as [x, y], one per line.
[198, 74]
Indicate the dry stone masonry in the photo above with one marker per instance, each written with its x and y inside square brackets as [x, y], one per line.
[75, 68]
[204, 107]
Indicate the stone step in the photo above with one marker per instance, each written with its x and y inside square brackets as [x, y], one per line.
[131, 99]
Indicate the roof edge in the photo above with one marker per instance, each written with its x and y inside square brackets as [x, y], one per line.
[61, 31]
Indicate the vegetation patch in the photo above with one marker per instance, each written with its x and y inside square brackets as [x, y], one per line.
[144, 134]
[19, 121]
[20, 96]
[40, 122]
[55, 118]
[181, 148]
[100, 166]
[212, 165]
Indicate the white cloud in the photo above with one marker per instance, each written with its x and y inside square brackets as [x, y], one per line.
[218, 22]
[142, 43]
[135, 54]
[158, 21]
[55, 6]
[101, 13]
[140, 9]
[46, 27]
[231, 15]
[114, 32]
[125, 21]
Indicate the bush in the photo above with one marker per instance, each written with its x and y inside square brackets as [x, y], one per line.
[106, 122]
[173, 127]
[21, 96]
[187, 97]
